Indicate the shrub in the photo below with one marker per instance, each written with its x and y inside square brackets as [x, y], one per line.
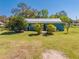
[38, 28]
[16, 24]
[50, 28]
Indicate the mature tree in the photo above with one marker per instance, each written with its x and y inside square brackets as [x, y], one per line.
[42, 13]
[15, 11]
[54, 16]
[27, 12]
[24, 11]
[61, 13]
[16, 24]
[64, 18]
[67, 21]
[22, 6]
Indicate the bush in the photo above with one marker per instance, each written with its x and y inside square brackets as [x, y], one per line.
[16, 24]
[50, 28]
[38, 28]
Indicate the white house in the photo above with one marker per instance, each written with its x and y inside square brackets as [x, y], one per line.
[58, 23]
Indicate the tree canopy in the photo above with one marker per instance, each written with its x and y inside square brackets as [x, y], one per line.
[28, 12]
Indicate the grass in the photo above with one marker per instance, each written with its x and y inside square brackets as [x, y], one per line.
[67, 43]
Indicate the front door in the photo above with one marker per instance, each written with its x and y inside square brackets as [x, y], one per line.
[44, 27]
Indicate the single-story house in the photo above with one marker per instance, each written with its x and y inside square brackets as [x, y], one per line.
[57, 22]
[75, 22]
[1, 23]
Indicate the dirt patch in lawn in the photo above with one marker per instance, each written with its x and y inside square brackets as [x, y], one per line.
[53, 54]
[24, 50]
[29, 50]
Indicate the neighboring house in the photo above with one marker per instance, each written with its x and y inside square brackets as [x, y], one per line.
[1, 23]
[75, 22]
[57, 22]
[2, 20]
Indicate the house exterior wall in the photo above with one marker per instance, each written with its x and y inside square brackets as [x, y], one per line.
[57, 22]
[59, 27]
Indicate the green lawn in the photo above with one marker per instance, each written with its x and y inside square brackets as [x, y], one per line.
[67, 43]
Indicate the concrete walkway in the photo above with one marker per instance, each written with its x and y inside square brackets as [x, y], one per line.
[52, 54]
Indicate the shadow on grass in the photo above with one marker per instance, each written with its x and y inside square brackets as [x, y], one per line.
[46, 34]
[66, 33]
[8, 33]
[33, 34]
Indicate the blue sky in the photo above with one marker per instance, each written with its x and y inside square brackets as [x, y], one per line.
[53, 6]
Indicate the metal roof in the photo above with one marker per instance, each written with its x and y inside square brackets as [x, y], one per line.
[56, 20]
